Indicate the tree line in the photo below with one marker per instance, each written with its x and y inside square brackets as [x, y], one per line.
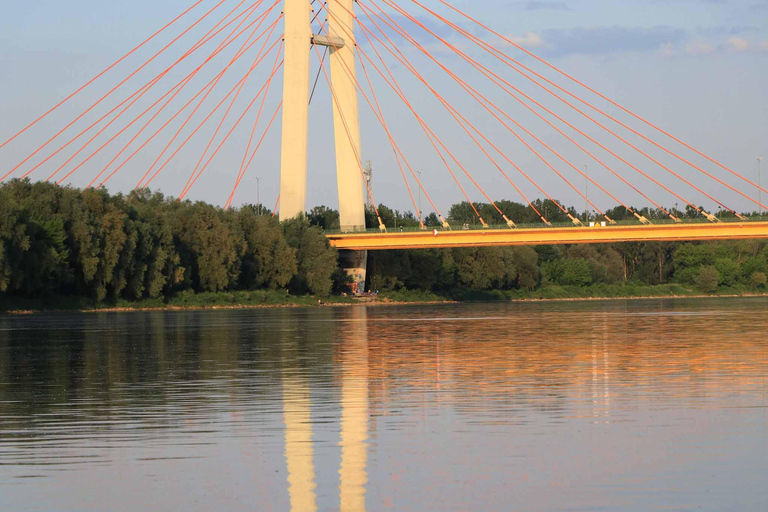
[68, 242]
[64, 241]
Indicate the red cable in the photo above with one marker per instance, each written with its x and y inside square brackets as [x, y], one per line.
[30, 125]
[226, 137]
[212, 84]
[475, 93]
[499, 55]
[494, 77]
[513, 121]
[194, 111]
[243, 167]
[590, 89]
[454, 113]
[183, 85]
[274, 116]
[125, 128]
[140, 92]
[203, 122]
[366, 31]
[428, 132]
[109, 93]
[226, 114]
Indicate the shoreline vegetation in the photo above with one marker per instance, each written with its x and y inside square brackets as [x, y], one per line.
[276, 300]
[66, 249]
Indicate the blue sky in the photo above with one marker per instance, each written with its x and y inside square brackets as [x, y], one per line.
[696, 67]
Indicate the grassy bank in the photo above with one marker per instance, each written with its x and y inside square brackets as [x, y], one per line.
[267, 298]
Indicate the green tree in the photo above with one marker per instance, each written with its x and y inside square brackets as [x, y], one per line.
[569, 272]
[707, 279]
[210, 246]
[729, 271]
[317, 261]
[324, 218]
[758, 280]
[268, 260]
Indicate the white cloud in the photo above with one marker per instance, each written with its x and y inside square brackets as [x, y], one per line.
[738, 44]
[699, 47]
[667, 49]
[529, 40]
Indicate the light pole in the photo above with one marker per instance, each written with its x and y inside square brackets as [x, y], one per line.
[760, 184]
[419, 173]
[258, 193]
[586, 193]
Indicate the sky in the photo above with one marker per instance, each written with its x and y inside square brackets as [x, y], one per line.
[697, 68]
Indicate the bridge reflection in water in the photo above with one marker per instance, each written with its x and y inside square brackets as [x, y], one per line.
[353, 363]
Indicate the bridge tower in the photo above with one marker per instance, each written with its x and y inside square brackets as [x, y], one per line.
[293, 173]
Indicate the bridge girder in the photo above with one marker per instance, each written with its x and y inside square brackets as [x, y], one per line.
[550, 236]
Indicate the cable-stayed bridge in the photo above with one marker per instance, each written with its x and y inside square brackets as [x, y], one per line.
[200, 101]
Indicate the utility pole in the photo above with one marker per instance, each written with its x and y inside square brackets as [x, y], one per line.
[760, 184]
[586, 192]
[258, 193]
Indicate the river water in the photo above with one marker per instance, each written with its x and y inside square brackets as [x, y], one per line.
[636, 405]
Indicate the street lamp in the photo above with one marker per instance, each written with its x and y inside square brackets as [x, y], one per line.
[419, 173]
[586, 192]
[760, 184]
[258, 193]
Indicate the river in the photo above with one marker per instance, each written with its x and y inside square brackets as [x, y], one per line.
[606, 405]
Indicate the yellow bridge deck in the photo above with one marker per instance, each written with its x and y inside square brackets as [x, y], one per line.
[550, 236]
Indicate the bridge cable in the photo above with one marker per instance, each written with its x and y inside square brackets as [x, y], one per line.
[264, 90]
[240, 53]
[590, 89]
[204, 121]
[243, 165]
[182, 83]
[366, 31]
[509, 223]
[474, 93]
[504, 58]
[139, 92]
[231, 105]
[106, 70]
[110, 92]
[463, 122]
[431, 136]
[208, 88]
[226, 137]
[247, 165]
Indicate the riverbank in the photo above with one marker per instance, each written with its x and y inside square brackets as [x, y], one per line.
[280, 299]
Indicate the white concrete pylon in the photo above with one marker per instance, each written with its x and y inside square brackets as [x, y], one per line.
[345, 117]
[293, 167]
